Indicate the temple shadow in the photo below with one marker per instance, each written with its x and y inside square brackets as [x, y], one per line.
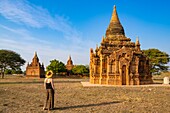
[88, 105]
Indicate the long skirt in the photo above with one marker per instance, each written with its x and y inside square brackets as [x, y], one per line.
[49, 103]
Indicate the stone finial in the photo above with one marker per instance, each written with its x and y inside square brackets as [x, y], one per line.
[91, 50]
[97, 47]
[28, 64]
[137, 41]
[35, 54]
[35, 59]
[69, 58]
[115, 18]
[137, 44]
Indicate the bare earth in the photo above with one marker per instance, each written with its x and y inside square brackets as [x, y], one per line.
[21, 95]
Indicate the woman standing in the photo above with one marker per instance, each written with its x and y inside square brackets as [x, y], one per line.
[49, 86]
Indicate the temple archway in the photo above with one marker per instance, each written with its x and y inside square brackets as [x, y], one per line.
[124, 75]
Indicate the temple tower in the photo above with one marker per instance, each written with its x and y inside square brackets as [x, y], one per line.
[69, 65]
[118, 61]
[35, 69]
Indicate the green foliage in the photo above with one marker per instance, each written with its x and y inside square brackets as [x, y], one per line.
[17, 71]
[8, 71]
[10, 60]
[158, 60]
[80, 69]
[56, 66]
[13, 71]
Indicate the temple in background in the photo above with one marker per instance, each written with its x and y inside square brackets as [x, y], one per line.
[35, 69]
[118, 61]
[69, 65]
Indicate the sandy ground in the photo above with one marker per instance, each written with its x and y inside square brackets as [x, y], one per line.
[21, 95]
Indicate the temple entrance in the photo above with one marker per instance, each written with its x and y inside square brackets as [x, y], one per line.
[124, 75]
[33, 72]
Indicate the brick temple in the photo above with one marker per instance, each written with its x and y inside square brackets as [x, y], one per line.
[118, 61]
[69, 65]
[35, 69]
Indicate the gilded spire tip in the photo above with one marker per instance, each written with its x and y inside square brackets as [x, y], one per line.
[137, 41]
[35, 54]
[115, 17]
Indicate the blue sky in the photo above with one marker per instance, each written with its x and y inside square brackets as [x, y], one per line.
[56, 29]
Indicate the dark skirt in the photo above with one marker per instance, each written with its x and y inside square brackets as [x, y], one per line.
[49, 103]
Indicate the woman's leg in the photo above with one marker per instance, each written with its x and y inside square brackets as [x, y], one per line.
[52, 99]
[47, 98]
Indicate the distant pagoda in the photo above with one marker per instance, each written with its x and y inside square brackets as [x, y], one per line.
[69, 65]
[118, 61]
[35, 69]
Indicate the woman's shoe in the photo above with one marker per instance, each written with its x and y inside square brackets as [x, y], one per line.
[44, 108]
[51, 108]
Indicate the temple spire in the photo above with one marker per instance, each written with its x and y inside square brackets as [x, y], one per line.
[114, 17]
[69, 58]
[115, 27]
[69, 61]
[137, 44]
[35, 54]
[137, 41]
[97, 47]
[35, 59]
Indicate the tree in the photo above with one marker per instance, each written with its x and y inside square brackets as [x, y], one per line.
[80, 69]
[158, 60]
[17, 71]
[56, 66]
[8, 71]
[13, 71]
[10, 60]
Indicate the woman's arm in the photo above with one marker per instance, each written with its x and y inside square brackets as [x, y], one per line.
[52, 83]
[45, 83]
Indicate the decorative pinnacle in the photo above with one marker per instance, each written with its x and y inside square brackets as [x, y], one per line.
[96, 46]
[35, 54]
[115, 16]
[137, 41]
[69, 57]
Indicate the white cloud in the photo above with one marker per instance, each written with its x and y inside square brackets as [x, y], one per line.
[23, 41]
[23, 12]
[23, 35]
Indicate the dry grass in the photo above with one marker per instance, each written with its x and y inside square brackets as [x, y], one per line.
[159, 78]
[21, 95]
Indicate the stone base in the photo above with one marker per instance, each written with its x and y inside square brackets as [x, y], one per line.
[103, 81]
[35, 76]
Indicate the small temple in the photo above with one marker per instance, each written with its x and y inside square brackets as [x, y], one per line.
[35, 69]
[118, 61]
[69, 65]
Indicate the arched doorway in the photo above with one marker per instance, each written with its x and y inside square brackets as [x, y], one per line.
[124, 75]
[33, 72]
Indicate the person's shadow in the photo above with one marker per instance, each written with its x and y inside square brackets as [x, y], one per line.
[88, 105]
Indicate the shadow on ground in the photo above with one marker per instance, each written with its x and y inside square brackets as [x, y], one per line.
[88, 105]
